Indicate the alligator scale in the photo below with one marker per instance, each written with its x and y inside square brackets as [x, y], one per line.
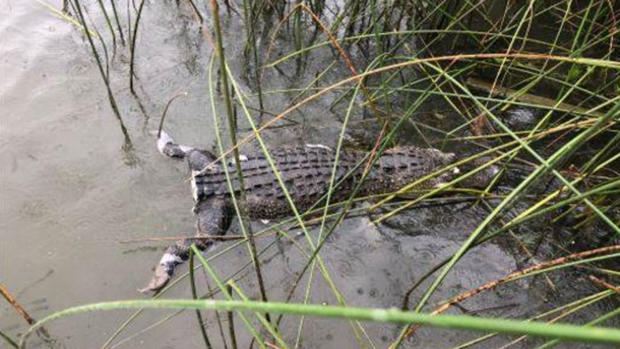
[305, 170]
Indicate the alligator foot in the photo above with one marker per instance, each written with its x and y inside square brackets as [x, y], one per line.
[159, 280]
[162, 273]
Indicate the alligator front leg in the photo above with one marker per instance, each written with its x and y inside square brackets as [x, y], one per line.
[213, 219]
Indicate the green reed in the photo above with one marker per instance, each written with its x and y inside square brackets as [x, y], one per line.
[557, 57]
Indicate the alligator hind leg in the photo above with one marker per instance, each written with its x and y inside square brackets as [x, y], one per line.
[213, 219]
[198, 159]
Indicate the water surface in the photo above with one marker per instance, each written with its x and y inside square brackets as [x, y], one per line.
[70, 194]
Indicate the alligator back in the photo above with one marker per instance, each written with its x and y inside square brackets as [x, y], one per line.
[306, 172]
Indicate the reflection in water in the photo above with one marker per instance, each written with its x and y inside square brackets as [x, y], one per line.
[105, 75]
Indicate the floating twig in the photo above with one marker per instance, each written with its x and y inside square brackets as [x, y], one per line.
[175, 238]
[42, 332]
[20, 310]
[604, 284]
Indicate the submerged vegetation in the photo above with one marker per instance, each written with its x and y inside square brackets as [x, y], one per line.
[530, 86]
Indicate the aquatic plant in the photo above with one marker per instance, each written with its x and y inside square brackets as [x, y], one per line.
[480, 62]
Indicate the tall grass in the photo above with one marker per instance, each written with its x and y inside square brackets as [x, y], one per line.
[474, 61]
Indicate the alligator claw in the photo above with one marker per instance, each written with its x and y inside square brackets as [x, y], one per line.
[159, 280]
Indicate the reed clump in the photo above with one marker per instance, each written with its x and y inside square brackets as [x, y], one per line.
[530, 87]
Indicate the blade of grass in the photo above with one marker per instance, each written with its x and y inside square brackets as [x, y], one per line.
[192, 281]
[8, 340]
[567, 309]
[289, 199]
[223, 289]
[233, 137]
[133, 46]
[590, 324]
[263, 319]
[547, 164]
[463, 322]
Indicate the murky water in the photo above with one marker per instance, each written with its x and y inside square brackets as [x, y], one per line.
[70, 194]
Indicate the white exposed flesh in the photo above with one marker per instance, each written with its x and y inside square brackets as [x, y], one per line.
[185, 148]
[242, 158]
[168, 258]
[163, 139]
[194, 187]
[321, 146]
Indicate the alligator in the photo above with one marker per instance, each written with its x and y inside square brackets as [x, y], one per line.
[305, 170]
